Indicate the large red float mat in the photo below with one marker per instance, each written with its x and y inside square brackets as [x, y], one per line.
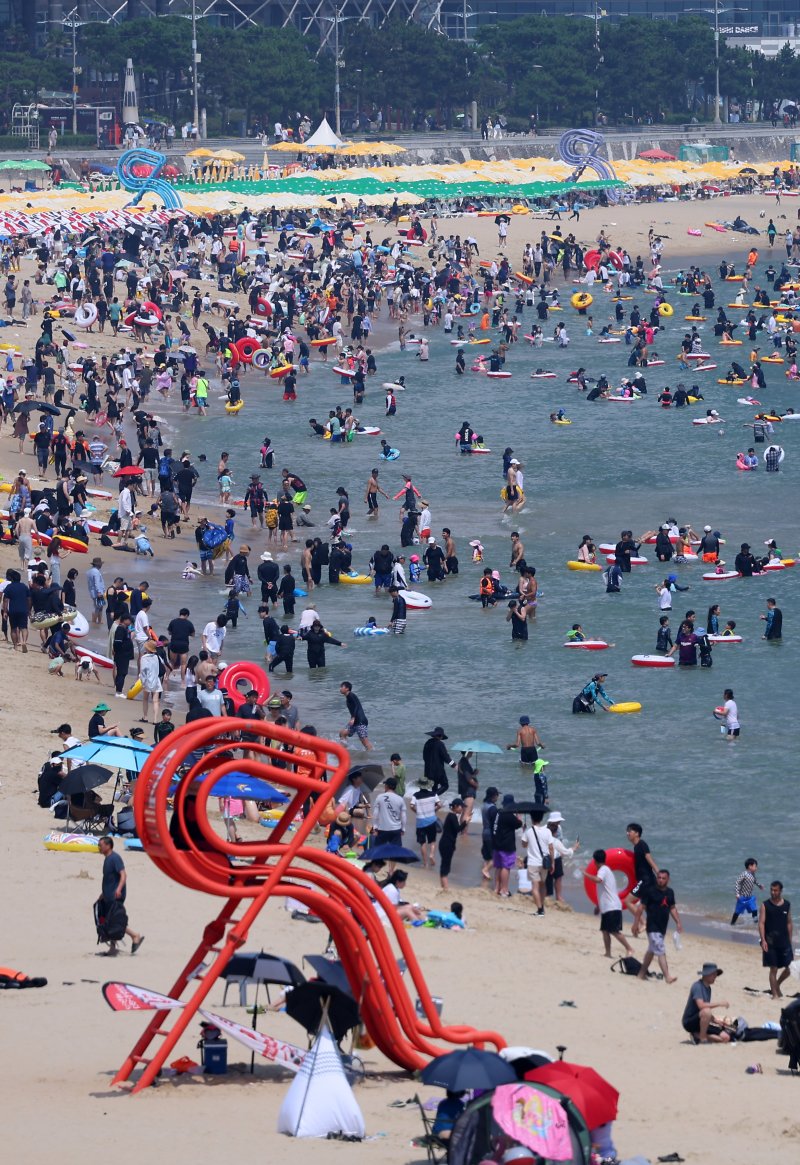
[193, 854]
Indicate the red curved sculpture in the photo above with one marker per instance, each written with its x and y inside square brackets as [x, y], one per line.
[187, 849]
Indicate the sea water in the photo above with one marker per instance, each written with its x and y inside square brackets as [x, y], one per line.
[705, 804]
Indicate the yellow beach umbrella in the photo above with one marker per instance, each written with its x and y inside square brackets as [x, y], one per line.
[229, 156]
[202, 152]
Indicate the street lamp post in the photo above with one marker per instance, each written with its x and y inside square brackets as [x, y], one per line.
[73, 19]
[337, 90]
[195, 63]
[716, 10]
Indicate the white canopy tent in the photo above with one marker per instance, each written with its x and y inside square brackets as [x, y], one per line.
[320, 1100]
[323, 135]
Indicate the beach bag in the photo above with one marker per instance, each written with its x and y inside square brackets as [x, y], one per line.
[790, 1034]
[627, 965]
[110, 919]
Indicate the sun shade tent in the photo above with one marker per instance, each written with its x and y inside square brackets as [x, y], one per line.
[477, 1135]
[320, 1100]
[324, 137]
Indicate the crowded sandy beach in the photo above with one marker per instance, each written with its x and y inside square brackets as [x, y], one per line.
[492, 670]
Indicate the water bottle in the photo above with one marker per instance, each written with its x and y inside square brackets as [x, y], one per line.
[677, 941]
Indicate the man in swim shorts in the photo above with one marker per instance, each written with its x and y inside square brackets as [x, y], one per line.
[527, 742]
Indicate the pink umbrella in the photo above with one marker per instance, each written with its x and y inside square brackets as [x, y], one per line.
[658, 156]
[534, 1119]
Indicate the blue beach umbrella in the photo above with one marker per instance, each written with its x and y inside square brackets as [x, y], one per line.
[476, 746]
[120, 752]
[246, 788]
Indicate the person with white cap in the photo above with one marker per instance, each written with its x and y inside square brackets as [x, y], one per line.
[435, 560]
[514, 497]
[709, 545]
[555, 876]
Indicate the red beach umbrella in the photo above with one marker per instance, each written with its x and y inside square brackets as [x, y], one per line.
[594, 1096]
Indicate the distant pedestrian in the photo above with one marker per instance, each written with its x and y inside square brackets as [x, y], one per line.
[745, 898]
[775, 930]
[114, 890]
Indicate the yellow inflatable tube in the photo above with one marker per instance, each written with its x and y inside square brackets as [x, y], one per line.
[630, 706]
[575, 565]
[354, 579]
[134, 690]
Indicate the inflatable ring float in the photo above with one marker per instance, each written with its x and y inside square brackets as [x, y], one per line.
[229, 408]
[370, 631]
[261, 359]
[666, 310]
[619, 860]
[85, 315]
[575, 565]
[246, 349]
[263, 307]
[353, 578]
[581, 300]
[244, 672]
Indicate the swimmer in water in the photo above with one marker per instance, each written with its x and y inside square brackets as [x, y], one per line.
[527, 741]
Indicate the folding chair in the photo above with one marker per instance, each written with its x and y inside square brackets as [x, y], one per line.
[434, 1145]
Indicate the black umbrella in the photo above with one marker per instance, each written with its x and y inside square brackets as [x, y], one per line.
[330, 971]
[468, 1069]
[372, 775]
[264, 968]
[37, 406]
[84, 778]
[527, 807]
[310, 1002]
[391, 853]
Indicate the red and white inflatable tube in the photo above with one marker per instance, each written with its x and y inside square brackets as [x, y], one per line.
[619, 860]
[97, 659]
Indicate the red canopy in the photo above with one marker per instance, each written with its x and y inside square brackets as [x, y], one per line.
[129, 471]
[658, 156]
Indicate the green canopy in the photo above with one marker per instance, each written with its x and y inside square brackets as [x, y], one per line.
[426, 188]
[25, 164]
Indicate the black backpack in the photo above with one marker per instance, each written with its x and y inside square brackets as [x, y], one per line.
[790, 1034]
[627, 965]
[111, 920]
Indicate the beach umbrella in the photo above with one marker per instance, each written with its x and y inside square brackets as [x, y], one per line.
[476, 746]
[528, 807]
[593, 1096]
[658, 156]
[246, 788]
[391, 853]
[84, 778]
[264, 968]
[129, 471]
[228, 156]
[309, 1003]
[37, 406]
[119, 752]
[524, 1059]
[468, 1068]
[371, 774]
[330, 971]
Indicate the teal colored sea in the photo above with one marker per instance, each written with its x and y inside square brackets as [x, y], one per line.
[705, 804]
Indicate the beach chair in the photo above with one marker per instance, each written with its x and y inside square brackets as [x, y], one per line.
[434, 1145]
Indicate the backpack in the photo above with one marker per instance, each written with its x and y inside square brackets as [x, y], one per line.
[627, 965]
[110, 919]
[790, 1034]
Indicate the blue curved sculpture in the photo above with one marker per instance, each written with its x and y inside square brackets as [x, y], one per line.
[152, 184]
[579, 148]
